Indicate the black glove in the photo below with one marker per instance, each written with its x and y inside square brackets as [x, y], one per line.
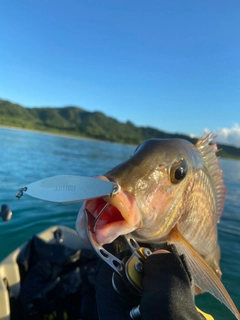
[167, 289]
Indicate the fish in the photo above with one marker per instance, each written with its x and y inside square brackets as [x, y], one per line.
[172, 191]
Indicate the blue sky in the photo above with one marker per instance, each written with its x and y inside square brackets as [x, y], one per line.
[172, 65]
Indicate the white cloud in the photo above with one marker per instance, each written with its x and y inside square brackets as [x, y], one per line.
[228, 136]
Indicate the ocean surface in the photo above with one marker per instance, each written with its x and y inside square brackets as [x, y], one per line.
[28, 156]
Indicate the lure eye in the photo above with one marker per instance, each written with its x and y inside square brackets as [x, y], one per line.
[179, 171]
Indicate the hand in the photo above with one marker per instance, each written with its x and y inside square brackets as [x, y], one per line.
[167, 288]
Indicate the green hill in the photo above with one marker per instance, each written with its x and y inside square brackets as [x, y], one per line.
[74, 121]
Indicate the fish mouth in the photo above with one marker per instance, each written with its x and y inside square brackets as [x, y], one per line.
[112, 216]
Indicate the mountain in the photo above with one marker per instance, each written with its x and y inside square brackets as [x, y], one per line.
[74, 121]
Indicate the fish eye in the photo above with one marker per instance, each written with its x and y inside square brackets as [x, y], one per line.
[178, 171]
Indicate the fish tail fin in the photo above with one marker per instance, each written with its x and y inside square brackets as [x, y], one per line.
[203, 276]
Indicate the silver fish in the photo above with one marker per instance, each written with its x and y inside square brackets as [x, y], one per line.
[171, 192]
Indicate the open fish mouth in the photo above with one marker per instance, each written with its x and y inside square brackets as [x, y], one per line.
[113, 215]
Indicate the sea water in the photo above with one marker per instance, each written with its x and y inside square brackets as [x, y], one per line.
[29, 156]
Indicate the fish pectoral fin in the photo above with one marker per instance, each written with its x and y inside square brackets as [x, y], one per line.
[203, 276]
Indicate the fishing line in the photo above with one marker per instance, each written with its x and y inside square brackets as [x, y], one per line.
[115, 190]
[99, 215]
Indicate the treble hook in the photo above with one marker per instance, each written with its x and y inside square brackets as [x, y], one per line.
[20, 192]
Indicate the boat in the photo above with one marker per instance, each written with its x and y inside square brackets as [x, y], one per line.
[60, 248]
[26, 295]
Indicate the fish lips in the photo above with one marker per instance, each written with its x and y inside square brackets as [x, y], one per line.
[120, 215]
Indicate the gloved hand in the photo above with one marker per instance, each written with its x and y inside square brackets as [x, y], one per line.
[167, 288]
[168, 292]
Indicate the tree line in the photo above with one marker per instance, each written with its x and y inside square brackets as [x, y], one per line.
[77, 122]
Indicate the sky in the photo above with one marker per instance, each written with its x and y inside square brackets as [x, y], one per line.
[171, 65]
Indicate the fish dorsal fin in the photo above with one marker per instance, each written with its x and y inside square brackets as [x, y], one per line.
[208, 153]
[203, 276]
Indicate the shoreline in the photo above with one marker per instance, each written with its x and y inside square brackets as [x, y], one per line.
[87, 138]
[62, 135]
